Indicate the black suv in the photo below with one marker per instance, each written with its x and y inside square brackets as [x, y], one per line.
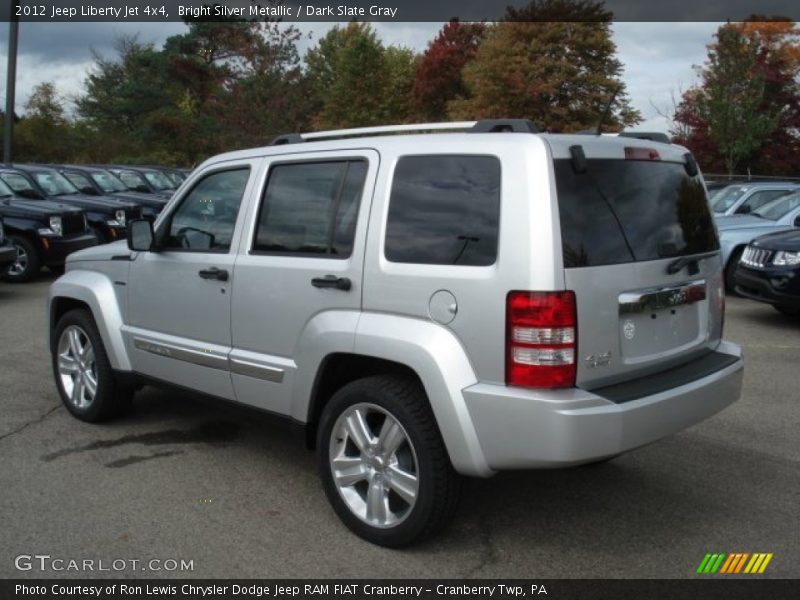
[144, 180]
[40, 232]
[95, 181]
[769, 271]
[106, 216]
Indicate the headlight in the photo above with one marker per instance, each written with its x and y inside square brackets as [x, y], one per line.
[56, 225]
[786, 259]
[120, 216]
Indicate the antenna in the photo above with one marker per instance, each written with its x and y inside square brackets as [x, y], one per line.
[607, 111]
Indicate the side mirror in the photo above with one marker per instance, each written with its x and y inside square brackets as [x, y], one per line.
[140, 235]
[797, 221]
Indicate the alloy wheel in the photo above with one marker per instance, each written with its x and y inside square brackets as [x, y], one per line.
[77, 368]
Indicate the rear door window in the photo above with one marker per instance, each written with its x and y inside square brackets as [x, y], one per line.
[444, 210]
[624, 211]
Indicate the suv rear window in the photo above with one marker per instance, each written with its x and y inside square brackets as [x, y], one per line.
[444, 210]
[623, 211]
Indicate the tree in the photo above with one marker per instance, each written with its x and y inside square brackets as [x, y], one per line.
[560, 74]
[44, 133]
[745, 110]
[438, 79]
[356, 81]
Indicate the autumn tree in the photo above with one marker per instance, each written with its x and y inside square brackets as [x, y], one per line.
[356, 81]
[745, 111]
[560, 74]
[438, 79]
[44, 133]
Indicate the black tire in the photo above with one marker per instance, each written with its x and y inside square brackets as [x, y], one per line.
[789, 311]
[57, 269]
[111, 397]
[730, 270]
[438, 485]
[24, 270]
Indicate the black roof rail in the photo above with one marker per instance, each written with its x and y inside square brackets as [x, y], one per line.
[504, 125]
[287, 138]
[653, 136]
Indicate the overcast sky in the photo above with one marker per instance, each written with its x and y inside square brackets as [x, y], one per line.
[658, 58]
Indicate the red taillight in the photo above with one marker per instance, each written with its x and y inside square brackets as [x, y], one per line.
[636, 153]
[541, 339]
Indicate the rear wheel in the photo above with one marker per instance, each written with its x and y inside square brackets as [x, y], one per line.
[83, 373]
[730, 269]
[28, 262]
[383, 463]
[789, 311]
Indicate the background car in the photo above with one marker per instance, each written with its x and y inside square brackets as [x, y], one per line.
[42, 233]
[106, 216]
[99, 182]
[144, 180]
[735, 232]
[769, 271]
[742, 199]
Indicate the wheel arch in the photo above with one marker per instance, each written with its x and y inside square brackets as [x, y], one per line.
[93, 292]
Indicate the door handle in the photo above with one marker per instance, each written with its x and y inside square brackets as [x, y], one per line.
[332, 281]
[214, 273]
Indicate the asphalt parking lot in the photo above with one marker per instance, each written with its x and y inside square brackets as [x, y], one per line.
[238, 495]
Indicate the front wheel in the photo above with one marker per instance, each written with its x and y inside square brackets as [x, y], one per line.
[383, 463]
[730, 271]
[28, 262]
[84, 377]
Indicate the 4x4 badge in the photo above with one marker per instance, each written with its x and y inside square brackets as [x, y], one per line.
[598, 360]
[629, 329]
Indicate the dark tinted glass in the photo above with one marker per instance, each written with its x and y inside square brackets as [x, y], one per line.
[311, 208]
[206, 217]
[444, 210]
[623, 211]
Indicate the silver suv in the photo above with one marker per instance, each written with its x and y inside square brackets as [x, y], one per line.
[427, 305]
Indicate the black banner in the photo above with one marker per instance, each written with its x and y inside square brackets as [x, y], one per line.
[384, 10]
[733, 588]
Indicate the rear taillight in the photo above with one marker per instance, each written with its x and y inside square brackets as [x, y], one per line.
[541, 339]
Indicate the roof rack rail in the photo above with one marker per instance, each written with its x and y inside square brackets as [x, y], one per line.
[484, 126]
[653, 136]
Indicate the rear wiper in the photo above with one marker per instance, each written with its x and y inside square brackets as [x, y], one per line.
[692, 261]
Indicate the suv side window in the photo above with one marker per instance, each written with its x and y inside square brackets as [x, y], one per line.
[444, 210]
[759, 199]
[206, 217]
[311, 208]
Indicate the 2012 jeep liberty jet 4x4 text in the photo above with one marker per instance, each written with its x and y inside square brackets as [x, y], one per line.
[459, 300]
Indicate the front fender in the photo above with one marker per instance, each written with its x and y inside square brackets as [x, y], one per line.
[439, 359]
[96, 290]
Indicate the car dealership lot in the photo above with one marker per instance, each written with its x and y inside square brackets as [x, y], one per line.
[238, 495]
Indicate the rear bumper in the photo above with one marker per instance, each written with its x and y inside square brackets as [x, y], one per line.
[520, 429]
[779, 286]
[59, 248]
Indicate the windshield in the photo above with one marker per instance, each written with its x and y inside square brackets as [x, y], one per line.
[54, 184]
[5, 191]
[80, 181]
[779, 207]
[134, 181]
[20, 185]
[624, 211]
[107, 182]
[727, 197]
[175, 177]
[158, 180]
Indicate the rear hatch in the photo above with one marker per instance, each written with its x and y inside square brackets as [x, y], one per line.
[641, 254]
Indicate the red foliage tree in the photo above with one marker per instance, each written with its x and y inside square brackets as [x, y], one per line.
[438, 78]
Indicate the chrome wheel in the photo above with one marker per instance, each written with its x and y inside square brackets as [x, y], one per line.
[77, 368]
[374, 465]
[21, 264]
